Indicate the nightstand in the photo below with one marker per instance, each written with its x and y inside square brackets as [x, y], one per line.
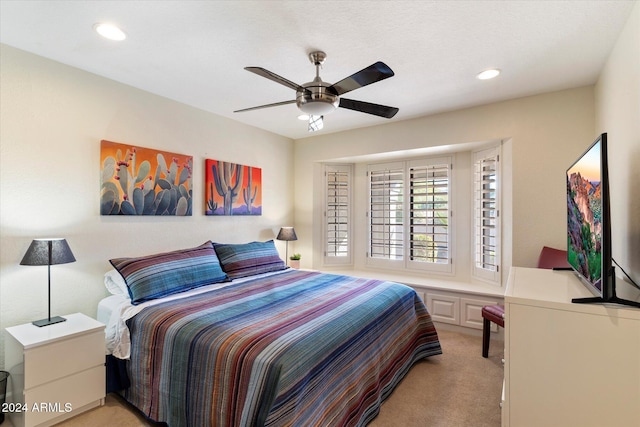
[57, 371]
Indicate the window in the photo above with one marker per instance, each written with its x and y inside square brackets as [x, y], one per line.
[429, 214]
[399, 215]
[386, 212]
[409, 214]
[337, 213]
[486, 215]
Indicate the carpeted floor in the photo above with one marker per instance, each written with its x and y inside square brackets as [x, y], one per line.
[456, 389]
[459, 388]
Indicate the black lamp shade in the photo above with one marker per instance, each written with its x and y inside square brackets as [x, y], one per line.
[38, 252]
[287, 233]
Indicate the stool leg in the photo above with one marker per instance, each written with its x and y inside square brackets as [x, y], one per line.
[486, 334]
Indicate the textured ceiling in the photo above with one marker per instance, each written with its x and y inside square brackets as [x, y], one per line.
[195, 51]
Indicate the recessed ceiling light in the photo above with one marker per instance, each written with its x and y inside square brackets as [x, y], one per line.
[110, 31]
[303, 117]
[488, 74]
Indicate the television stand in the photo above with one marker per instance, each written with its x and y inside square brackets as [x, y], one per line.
[567, 364]
[609, 296]
[612, 300]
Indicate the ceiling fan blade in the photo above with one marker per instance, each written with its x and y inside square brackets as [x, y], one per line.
[371, 74]
[274, 77]
[367, 107]
[275, 104]
[315, 123]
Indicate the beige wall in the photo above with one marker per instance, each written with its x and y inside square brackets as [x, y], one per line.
[53, 118]
[617, 95]
[546, 133]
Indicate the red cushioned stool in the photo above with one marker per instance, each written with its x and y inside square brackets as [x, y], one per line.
[490, 313]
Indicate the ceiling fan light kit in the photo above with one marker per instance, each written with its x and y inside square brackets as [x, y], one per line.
[317, 98]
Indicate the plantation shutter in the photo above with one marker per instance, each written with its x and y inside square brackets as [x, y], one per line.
[337, 213]
[429, 238]
[386, 211]
[486, 214]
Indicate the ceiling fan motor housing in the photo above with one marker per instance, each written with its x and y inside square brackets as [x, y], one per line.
[317, 99]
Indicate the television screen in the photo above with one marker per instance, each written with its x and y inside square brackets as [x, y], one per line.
[586, 208]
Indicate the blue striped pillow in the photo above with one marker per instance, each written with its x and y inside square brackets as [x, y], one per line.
[159, 275]
[247, 259]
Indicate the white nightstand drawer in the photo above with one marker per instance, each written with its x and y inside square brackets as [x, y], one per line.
[65, 397]
[59, 359]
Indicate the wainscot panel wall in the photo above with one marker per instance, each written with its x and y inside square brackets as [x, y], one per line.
[53, 118]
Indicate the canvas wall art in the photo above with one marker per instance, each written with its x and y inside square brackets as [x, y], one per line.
[144, 181]
[232, 189]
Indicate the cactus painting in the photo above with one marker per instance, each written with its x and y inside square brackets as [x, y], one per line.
[144, 181]
[232, 189]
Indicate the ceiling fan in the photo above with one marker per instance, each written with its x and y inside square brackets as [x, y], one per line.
[318, 98]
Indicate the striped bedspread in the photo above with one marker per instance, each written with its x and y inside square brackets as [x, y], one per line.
[297, 348]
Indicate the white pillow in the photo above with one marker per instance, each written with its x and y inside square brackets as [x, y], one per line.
[115, 284]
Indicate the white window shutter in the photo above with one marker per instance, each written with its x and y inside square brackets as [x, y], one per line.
[486, 215]
[386, 212]
[429, 219]
[337, 224]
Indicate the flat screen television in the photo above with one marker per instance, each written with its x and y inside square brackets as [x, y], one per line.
[589, 224]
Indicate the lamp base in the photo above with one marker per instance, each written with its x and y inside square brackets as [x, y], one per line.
[47, 322]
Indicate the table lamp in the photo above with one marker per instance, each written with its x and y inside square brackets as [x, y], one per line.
[287, 234]
[48, 252]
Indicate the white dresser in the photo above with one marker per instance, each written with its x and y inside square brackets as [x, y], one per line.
[57, 371]
[568, 364]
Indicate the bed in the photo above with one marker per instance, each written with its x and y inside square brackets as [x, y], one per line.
[274, 347]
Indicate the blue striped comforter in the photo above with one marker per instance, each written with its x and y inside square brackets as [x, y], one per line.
[296, 348]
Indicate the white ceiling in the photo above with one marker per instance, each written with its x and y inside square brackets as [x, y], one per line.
[195, 51]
